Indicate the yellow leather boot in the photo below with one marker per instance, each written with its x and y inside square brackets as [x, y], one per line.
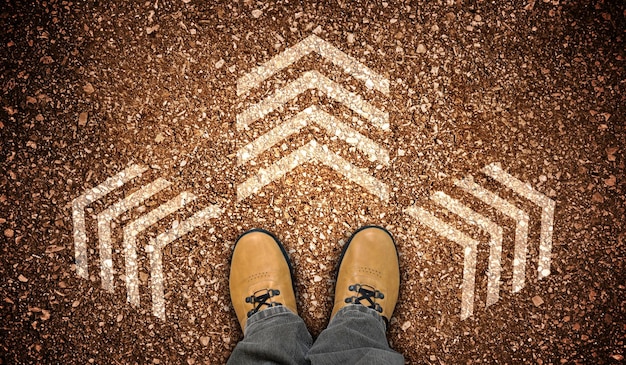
[369, 272]
[260, 275]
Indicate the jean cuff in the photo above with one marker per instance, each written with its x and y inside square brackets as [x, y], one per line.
[356, 310]
[266, 314]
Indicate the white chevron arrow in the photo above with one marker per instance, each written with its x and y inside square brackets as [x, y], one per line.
[78, 212]
[470, 247]
[155, 248]
[311, 152]
[311, 80]
[521, 231]
[130, 238]
[521, 226]
[495, 243]
[334, 127]
[312, 44]
[312, 114]
[547, 212]
[105, 219]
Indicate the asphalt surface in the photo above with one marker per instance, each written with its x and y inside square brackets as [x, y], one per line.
[139, 139]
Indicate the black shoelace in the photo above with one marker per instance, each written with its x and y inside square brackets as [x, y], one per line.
[260, 300]
[367, 294]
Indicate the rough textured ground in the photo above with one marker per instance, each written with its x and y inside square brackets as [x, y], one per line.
[91, 88]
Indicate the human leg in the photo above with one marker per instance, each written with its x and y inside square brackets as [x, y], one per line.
[273, 336]
[366, 293]
[261, 289]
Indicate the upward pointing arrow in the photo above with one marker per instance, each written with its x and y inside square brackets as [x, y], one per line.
[315, 115]
[309, 80]
[311, 44]
[312, 152]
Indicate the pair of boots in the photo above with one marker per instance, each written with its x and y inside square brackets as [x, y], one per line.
[261, 274]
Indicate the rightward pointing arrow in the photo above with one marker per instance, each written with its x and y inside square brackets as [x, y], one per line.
[105, 219]
[313, 114]
[547, 213]
[155, 247]
[470, 247]
[130, 237]
[311, 152]
[312, 44]
[310, 80]
[78, 212]
[495, 243]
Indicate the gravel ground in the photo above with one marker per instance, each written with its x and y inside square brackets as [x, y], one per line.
[534, 90]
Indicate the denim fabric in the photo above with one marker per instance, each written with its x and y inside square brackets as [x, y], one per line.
[277, 336]
[273, 336]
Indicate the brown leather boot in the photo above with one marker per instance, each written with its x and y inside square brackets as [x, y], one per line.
[369, 273]
[260, 275]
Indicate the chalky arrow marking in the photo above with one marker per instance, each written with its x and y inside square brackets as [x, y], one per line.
[155, 248]
[312, 114]
[495, 243]
[311, 44]
[311, 152]
[105, 219]
[313, 80]
[547, 205]
[78, 212]
[130, 238]
[470, 247]
[521, 226]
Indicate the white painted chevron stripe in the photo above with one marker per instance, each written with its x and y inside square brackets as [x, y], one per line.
[78, 212]
[521, 226]
[312, 44]
[130, 238]
[315, 115]
[156, 246]
[311, 152]
[105, 219]
[495, 243]
[547, 214]
[470, 247]
[309, 80]
[521, 229]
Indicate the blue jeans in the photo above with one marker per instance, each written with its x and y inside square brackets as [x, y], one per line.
[278, 336]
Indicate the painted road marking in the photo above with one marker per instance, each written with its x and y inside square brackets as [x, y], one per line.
[313, 114]
[155, 248]
[470, 250]
[521, 231]
[313, 80]
[78, 212]
[521, 226]
[495, 243]
[547, 212]
[312, 152]
[105, 219]
[315, 44]
[131, 231]
[130, 240]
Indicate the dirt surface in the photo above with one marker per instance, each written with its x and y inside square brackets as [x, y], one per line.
[92, 89]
